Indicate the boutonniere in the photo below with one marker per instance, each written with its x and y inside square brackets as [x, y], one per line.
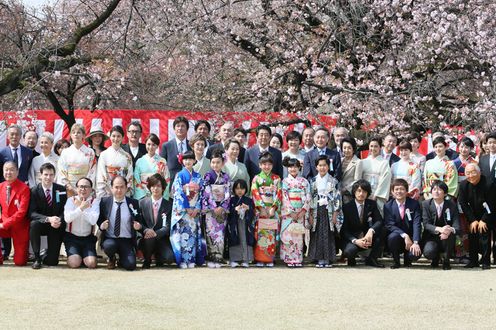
[408, 214]
[57, 196]
[487, 208]
[448, 215]
[133, 210]
[164, 217]
[16, 203]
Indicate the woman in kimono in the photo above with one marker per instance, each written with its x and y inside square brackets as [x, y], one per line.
[198, 144]
[235, 169]
[294, 213]
[186, 239]
[96, 140]
[46, 156]
[112, 162]
[348, 163]
[293, 139]
[415, 140]
[408, 170]
[148, 165]
[326, 217]
[440, 168]
[76, 162]
[267, 196]
[376, 171]
[215, 204]
[241, 226]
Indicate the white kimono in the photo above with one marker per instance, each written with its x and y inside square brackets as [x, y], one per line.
[377, 172]
[75, 164]
[111, 163]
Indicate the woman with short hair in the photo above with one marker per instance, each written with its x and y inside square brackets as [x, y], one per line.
[46, 156]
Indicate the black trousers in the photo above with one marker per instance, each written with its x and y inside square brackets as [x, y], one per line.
[161, 247]
[433, 246]
[54, 238]
[396, 245]
[351, 250]
[124, 247]
[6, 247]
[480, 243]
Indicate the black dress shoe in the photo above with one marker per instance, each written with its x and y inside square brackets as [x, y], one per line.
[373, 263]
[146, 265]
[396, 265]
[471, 265]
[159, 264]
[435, 263]
[36, 264]
[484, 266]
[111, 263]
[351, 262]
[446, 265]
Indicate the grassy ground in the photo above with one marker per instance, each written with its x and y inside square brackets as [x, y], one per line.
[247, 298]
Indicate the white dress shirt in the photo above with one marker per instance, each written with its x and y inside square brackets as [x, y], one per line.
[80, 223]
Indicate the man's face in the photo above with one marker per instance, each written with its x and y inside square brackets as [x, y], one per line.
[119, 188]
[134, 134]
[10, 172]
[308, 137]
[226, 132]
[47, 177]
[491, 145]
[473, 176]
[31, 139]
[203, 130]
[14, 137]
[321, 139]
[339, 135]
[263, 138]
[361, 195]
[389, 143]
[399, 193]
[181, 130]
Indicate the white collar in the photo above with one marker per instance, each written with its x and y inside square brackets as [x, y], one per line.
[179, 141]
[49, 188]
[358, 204]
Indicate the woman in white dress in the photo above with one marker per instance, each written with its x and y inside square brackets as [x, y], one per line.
[46, 156]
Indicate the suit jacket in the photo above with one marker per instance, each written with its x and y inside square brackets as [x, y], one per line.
[26, 159]
[241, 156]
[38, 207]
[170, 152]
[141, 152]
[431, 220]
[310, 170]
[489, 173]
[353, 227]
[251, 161]
[411, 225]
[161, 229]
[15, 211]
[452, 155]
[392, 159]
[472, 198]
[106, 209]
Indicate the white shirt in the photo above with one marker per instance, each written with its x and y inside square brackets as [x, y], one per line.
[51, 191]
[262, 149]
[358, 205]
[134, 150]
[438, 207]
[80, 223]
[126, 223]
[492, 158]
[18, 154]
[184, 147]
[321, 183]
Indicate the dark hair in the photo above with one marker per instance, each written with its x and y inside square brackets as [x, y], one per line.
[439, 139]
[349, 140]
[195, 138]
[180, 119]
[466, 141]
[189, 155]
[217, 153]
[87, 179]
[362, 184]
[231, 141]
[440, 184]
[392, 135]
[240, 183]
[154, 138]
[59, 144]
[263, 128]
[322, 128]
[47, 167]
[202, 122]
[399, 182]
[491, 135]
[239, 130]
[414, 136]
[265, 157]
[405, 145]
[118, 177]
[278, 136]
[290, 162]
[293, 135]
[155, 179]
[24, 136]
[322, 157]
[375, 139]
[135, 123]
[118, 129]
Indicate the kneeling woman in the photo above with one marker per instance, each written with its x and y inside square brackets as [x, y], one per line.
[81, 214]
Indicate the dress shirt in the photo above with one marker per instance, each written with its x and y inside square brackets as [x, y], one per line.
[492, 158]
[80, 223]
[182, 143]
[134, 150]
[262, 149]
[51, 192]
[126, 222]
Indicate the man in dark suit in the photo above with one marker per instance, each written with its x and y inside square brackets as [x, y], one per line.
[119, 219]
[487, 165]
[31, 141]
[156, 213]
[204, 128]
[23, 157]
[362, 226]
[321, 138]
[441, 224]
[403, 219]
[478, 206]
[252, 154]
[176, 146]
[46, 211]
[134, 148]
[226, 132]
[389, 143]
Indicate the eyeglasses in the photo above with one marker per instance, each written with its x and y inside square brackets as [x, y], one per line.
[135, 132]
[84, 187]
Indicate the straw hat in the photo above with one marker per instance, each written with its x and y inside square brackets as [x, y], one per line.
[96, 130]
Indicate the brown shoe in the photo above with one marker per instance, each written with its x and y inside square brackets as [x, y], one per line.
[111, 263]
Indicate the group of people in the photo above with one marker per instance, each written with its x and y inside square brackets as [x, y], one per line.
[194, 202]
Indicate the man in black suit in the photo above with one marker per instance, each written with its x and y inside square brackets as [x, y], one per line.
[321, 138]
[389, 142]
[30, 141]
[403, 219]
[477, 205]
[134, 148]
[252, 154]
[487, 165]
[362, 226]
[226, 132]
[119, 219]
[204, 128]
[441, 224]
[46, 211]
[176, 146]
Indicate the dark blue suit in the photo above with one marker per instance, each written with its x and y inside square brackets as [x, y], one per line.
[251, 161]
[397, 226]
[26, 159]
[169, 152]
[392, 159]
[310, 170]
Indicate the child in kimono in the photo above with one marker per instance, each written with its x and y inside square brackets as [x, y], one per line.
[185, 235]
[241, 226]
[267, 195]
[215, 204]
[326, 217]
[294, 213]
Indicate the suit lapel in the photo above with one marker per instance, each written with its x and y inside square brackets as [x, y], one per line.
[149, 207]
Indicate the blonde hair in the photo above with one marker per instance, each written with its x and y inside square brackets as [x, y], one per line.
[78, 127]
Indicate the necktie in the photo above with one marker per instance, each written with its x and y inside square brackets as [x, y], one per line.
[439, 211]
[181, 147]
[117, 224]
[155, 211]
[9, 189]
[16, 157]
[48, 197]
[402, 211]
[360, 212]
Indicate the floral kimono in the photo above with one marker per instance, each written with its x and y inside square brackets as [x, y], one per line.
[378, 173]
[295, 197]
[145, 167]
[461, 165]
[441, 169]
[74, 164]
[186, 239]
[266, 193]
[113, 162]
[410, 172]
[216, 193]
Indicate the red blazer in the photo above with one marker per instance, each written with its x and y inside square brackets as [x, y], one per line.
[16, 210]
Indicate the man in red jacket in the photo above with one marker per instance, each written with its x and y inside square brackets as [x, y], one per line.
[14, 203]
